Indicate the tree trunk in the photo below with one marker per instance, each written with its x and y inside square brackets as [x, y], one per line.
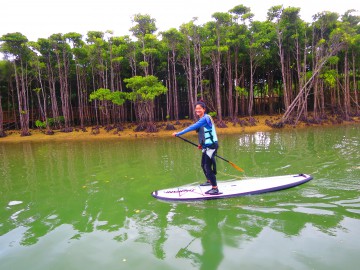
[237, 83]
[305, 90]
[216, 64]
[174, 85]
[251, 90]
[230, 86]
[347, 104]
[52, 88]
[21, 88]
[66, 95]
[80, 92]
[169, 108]
[198, 71]
[2, 133]
[283, 70]
[316, 99]
[186, 63]
[356, 101]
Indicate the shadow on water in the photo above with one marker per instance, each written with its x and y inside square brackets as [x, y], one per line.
[92, 201]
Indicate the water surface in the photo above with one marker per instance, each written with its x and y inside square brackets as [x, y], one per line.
[87, 205]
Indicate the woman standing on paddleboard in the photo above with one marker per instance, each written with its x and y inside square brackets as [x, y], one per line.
[208, 142]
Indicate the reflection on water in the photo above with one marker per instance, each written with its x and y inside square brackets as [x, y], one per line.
[86, 205]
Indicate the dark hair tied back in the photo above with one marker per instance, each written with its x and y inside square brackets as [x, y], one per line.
[201, 103]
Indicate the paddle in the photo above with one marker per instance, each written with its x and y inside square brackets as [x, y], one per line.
[232, 164]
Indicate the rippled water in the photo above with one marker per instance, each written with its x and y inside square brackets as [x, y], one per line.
[87, 205]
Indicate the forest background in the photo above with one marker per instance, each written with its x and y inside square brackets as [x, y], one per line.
[238, 66]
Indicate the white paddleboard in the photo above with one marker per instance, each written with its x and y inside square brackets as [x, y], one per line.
[248, 186]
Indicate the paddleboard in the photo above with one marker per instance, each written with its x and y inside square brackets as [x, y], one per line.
[228, 189]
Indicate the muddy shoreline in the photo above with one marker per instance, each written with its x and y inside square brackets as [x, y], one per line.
[129, 133]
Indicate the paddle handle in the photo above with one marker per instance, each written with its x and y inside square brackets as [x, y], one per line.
[186, 140]
[232, 164]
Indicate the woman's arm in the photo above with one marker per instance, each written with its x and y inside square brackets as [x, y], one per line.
[202, 122]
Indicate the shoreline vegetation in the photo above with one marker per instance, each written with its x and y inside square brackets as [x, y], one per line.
[260, 123]
[238, 66]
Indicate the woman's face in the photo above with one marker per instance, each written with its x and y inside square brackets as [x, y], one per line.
[200, 111]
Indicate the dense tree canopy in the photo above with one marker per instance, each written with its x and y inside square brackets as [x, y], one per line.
[239, 66]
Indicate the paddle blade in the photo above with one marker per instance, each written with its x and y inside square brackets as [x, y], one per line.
[236, 167]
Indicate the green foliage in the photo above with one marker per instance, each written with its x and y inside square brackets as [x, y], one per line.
[172, 38]
[143, 64]
[205, 82]
[308, 75]
[240, 90]
[100, 94]
[104, 94]
[145, 25]
[117, 59]
[5, 70]
[223, 49]
[40, 124]
[321, 42]
[212, 114]
[145, 88]
[37, 90]
[196, 51]
[53, 121]
[60, 119]
[149, 51]
[240, 10]
[13, 43]
[118, 97]
[333, 60]
[329, 77]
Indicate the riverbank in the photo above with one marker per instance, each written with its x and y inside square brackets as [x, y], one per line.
[243, 126]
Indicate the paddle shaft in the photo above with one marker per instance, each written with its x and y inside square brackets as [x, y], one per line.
[232, 164]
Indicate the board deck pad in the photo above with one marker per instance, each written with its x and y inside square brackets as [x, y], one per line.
[228, 189]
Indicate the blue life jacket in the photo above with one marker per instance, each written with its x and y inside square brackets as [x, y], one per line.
[207, 136]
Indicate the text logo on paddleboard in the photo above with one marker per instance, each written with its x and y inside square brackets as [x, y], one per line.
[180, 191]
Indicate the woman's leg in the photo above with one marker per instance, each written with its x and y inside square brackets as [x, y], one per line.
[207, 165]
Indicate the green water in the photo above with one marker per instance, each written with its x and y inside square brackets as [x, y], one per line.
[87, 205]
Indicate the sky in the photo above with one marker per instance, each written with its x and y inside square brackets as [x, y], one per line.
[42, 18]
